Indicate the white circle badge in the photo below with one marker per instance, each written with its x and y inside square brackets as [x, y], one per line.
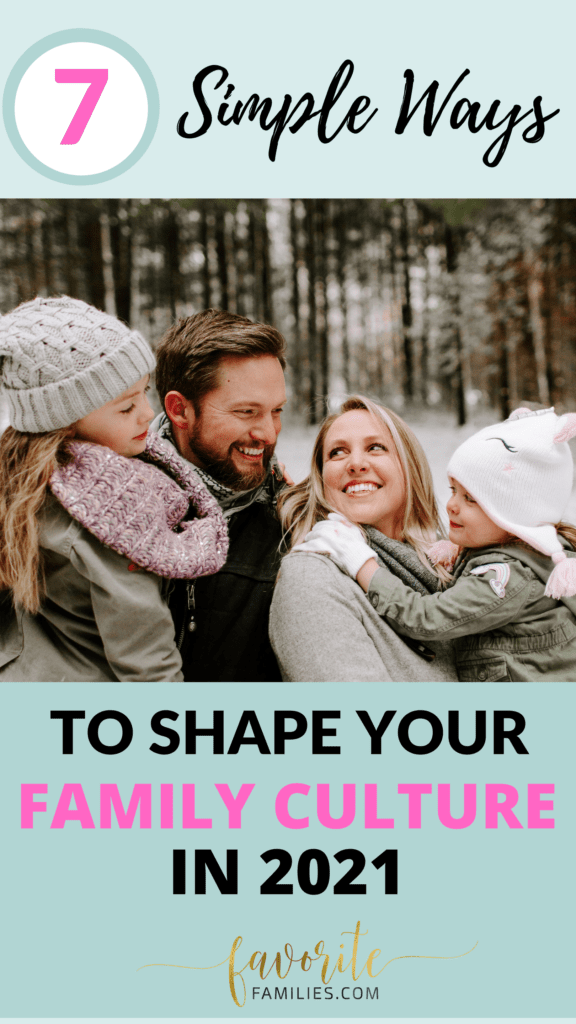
[81, 106]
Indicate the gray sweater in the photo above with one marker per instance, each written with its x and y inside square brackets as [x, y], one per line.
[324, 629]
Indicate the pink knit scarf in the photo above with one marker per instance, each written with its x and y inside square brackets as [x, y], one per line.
[134, 507]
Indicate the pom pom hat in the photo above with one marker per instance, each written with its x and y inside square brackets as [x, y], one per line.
[521, 472]
[60, 359]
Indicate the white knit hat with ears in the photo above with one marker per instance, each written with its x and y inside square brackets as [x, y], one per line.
[60, 359]
[521, 472]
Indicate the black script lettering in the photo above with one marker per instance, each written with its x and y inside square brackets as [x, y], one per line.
[464, 111]
[279, 122]
[333, 94]
[197, 88]
[292, 115]
[471, 114]
[224, 107]
[506, 135]
[429, 122]
[538, 123]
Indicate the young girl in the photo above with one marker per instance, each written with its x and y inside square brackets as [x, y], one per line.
[511, 605]
[87, 532]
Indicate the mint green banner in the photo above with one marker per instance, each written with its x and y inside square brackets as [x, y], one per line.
[302, 99]
[287, 853]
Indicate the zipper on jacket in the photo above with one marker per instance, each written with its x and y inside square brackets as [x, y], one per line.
[189, 624]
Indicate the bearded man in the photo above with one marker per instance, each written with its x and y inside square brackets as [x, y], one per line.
[220, 378]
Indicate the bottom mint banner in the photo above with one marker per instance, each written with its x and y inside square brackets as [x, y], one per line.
[310, 851]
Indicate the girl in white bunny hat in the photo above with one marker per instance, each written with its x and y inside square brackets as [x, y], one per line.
[511, 605]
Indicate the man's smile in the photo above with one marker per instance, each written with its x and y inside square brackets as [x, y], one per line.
[251, 454]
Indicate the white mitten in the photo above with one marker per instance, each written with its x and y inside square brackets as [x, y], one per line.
[341, 540]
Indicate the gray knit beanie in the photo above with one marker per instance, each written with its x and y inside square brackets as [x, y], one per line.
[60, 359]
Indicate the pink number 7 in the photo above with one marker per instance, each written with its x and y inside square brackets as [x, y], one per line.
[97, 77]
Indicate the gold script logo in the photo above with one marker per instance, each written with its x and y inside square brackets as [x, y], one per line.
[281, 964]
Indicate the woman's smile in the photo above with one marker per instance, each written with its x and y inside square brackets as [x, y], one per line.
[359, 488]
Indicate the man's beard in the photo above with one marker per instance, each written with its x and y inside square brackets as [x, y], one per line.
[222, 468]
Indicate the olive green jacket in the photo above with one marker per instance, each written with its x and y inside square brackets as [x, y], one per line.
[504, 628]
[101, 619]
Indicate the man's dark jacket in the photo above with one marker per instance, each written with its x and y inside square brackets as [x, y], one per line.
[229, 610]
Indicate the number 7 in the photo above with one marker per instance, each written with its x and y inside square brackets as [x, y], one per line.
[97, 77]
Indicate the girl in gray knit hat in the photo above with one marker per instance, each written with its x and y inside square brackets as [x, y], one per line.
[89, 535]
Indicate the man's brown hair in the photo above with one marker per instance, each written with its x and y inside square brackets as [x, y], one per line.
[190, 352]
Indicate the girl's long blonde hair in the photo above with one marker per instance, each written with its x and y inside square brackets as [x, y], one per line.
[27, 462]
[303, 505]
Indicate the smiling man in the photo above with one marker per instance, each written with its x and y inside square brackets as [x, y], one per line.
[220, 377]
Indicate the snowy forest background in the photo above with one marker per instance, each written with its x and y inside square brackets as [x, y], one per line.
[452, 312]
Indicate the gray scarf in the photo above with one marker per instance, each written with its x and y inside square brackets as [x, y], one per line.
[402, 560]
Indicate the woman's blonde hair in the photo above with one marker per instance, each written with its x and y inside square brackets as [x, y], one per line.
[27, 462]
[305, 504]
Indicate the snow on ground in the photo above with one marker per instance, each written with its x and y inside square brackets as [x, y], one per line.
[436, 432]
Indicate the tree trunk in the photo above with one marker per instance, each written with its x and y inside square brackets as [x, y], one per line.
[534, 290]
[91, 241]
[407, 317]
[458, 376]
[109, 303]
[320, 287]
[71, 257]
[340, 233]
[220, 230]
[266, 272]
[206, 297]
[172, 260]
[297, 368]
[120, 245]
[311, 328]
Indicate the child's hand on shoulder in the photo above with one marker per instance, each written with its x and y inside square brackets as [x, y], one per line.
[342, 541]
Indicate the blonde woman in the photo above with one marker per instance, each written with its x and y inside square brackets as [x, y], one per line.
[367, 466]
